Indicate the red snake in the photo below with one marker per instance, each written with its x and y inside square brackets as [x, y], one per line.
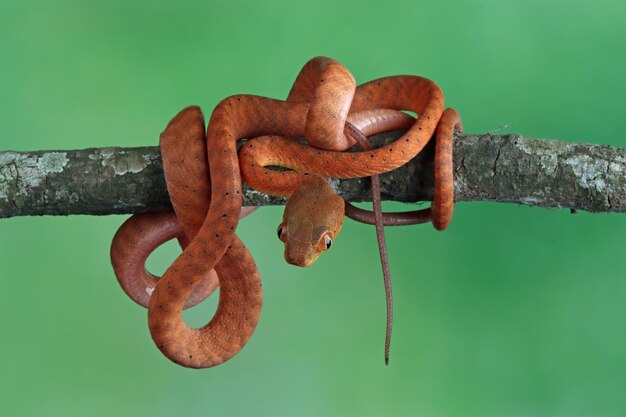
[321, 100]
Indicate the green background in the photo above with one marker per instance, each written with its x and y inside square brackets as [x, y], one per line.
[513, 311]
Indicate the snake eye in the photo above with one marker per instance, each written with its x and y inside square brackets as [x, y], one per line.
[328, 242]
[280, 231]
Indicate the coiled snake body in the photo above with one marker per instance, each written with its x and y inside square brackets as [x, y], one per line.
[323, 98]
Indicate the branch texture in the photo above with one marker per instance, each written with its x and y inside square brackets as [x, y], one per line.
[500, 168]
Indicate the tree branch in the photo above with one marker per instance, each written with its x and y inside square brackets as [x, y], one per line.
[501, 168]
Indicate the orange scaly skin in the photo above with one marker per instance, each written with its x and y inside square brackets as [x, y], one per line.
[212, 226]
[443, 201]
[329, 88]
[141, 234]
[133, 243]
[261, 152]
[240, 287]
[413, 93]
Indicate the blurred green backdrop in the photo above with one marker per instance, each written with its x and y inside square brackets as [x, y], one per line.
[513, 311]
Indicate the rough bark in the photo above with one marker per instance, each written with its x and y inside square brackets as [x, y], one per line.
[501, 168]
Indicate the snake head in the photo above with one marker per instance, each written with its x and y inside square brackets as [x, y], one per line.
[312, 220]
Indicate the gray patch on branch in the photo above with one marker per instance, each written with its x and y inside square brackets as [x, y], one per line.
[589, 172]
[122, 162]
[25, 172]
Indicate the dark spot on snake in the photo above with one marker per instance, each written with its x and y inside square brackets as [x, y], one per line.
[224, 215]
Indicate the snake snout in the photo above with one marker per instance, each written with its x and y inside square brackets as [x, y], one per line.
[301, 262]
[295, 256]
